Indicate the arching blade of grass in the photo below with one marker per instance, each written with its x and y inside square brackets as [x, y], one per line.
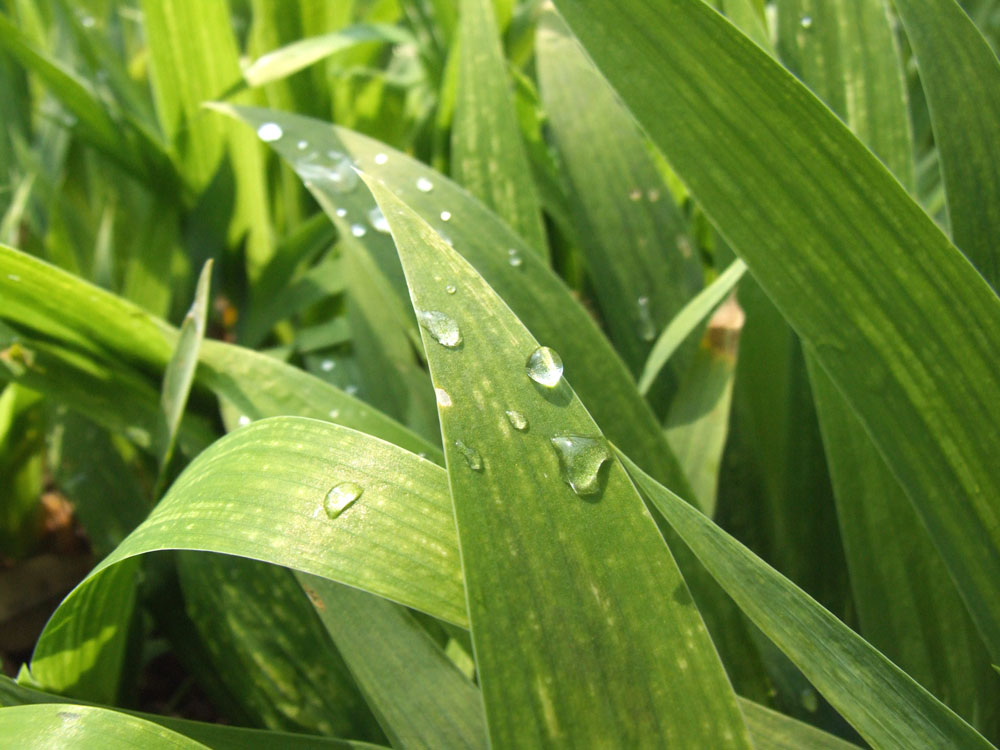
[773, 731]
[629, 228]
[536, 295]
[886, 706]
[857, 268]
[487, 153]
[55, 727]
[215, 736]
[420, 697]
[607, 645]
[961, 79]
[58, 304]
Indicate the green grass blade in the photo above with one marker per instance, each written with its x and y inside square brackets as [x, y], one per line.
[292, 58]
[421, 698]
[858, 269]
[487, 153]
[56, 727]
[774, 731]
[885, 705]
[179, 373]
[216, 736]
[535, 554]
[627, 223]
[536, 295]
[961, 79]
[687, 320]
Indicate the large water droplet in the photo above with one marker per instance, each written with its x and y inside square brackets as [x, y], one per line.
[471, 455]
[442, 328]
[269, 131]
[545, 366]
[806, 22]
[580, 461]
[514, 257]
[517, 420]
[442, 396]
[378, 221]
[424, 185]
[647, 329]
[358, 230]
[340, 497]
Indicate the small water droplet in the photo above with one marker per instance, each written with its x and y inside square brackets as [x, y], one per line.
[806, 22]
[87, 22]
[381, 158]
[514, 257]
[442, 397]
[450, 289]
[447, 240]
[647, 329]
[341, 212]
[378, 221]
[244, 420]
[810, 701]
[340, 497]
[441, 327]
[351, 390]
[13, 277]
[269, 131]
[358, 231]
[334, 413]
[302, 145]
[424, 185]
[653, 195]
[580, 461]
[545, 366]
[471, 455]
[635, 195]
[446, 216]
[517, 420]
[327, 364]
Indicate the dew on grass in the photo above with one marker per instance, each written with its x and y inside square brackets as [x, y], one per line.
[545, 366]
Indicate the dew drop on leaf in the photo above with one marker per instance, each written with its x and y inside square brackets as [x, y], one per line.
[446, 216]
[442, 396]
[381, 158]
[243, 421]
[378, 221]
[341, 212]
[340, 497]
[302, 145]
[514, 257]
[269, 132]
[441, 327]
[471, 455]
[580, 461]
[358, 230]
[424, 185]
[810, 701]
[545, 366]
[327, 364]
[806, 22]
[13, 277]
[517, 420]
[647, 329]
[450, 289]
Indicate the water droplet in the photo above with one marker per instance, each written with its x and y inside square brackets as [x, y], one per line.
[653, 195]
[446, 216]
[351, 390]
[340, 497]
[545, 366]
[471, 455]
[302, 145]
[442, 397]
[87, 22]
[341, 212]
[342, 177]
[269, 131]
[647, 329]
[327, 364]
[335, 155]
[424, 185]
[244, 420]
[358, 231]
[334, 413]
[810, 701]
[451, 289]
[381, 158]
[13, 277]
[442, 328]
[378, 221]
[514, 257]
[580, 461]
[806, 22]
[517, 420]
[635, 195]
